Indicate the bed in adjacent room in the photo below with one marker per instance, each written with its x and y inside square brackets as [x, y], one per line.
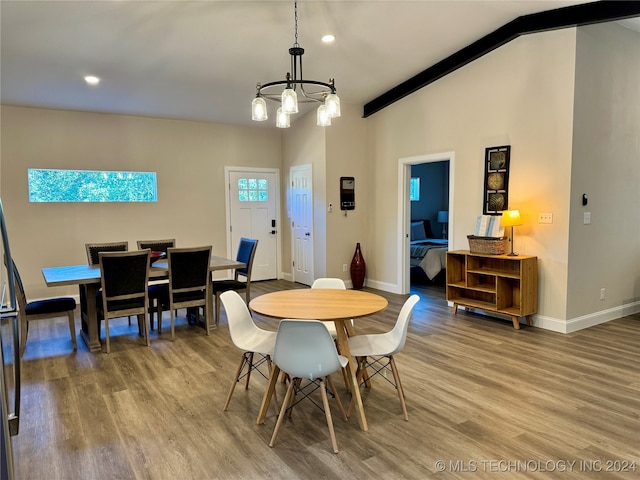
[428, 255]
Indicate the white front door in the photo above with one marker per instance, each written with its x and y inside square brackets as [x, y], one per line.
[302, 223]
[253, 200]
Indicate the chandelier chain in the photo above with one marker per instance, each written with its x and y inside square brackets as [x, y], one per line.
[295, 7]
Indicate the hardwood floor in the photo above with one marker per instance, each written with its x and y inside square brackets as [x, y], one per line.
[485, 399]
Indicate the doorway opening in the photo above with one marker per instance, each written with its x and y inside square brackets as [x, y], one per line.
[424, 220]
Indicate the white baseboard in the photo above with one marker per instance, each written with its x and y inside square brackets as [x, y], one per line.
[579, 323]
[385, 287]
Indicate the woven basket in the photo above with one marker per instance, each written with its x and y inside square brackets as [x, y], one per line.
[486, 245]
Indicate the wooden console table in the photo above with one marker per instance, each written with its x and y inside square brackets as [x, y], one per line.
[502, 284]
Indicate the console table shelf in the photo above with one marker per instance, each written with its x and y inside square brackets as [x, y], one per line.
[503, 284]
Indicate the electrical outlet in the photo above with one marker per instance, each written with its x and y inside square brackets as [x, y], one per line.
[586, 219]
[602, 293]
[344, 267]
[545, 218]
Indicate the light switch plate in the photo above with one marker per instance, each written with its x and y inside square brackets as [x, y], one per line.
[545, 218]
[587, 218]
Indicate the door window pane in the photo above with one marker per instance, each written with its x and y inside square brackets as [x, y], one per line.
[253, 190]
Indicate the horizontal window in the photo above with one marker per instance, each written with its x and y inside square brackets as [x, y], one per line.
[48, 185]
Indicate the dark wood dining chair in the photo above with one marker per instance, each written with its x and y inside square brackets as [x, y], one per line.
[189, 285]
[41, 310]
[124, 277]
[158, 289]
[94, 249]
[157, 245]
[93, 252]
[246, 253]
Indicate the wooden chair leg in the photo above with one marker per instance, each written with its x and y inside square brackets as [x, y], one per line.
[145, 328]
[173, 329]
[246, 386]
[106, 332]
[159, 316]
[235, 380]
[332, 387]
[327, 412]
[396, 377]
[217, 305]
[285, 403]
[72, 328]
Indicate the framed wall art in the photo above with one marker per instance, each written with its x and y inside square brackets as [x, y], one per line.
[496, 180]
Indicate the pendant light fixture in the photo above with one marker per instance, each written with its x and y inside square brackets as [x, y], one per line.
[295, 90]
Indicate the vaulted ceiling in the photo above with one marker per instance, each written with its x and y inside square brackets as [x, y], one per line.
[201, 60]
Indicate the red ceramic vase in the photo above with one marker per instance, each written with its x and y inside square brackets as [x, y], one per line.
[358, 269]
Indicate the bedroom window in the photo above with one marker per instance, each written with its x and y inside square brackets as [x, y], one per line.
[414, 189]
[52, 185]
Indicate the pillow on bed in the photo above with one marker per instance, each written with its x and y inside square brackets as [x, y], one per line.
[417, 231]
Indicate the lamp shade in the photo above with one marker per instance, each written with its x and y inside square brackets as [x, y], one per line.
[443, 216]
[322, 117]
[511, 218]
[259, 109]
[289, 101]
[282, 119]
[333, 105]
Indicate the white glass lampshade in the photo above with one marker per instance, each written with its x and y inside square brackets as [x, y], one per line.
[289, 101]
[282, 119]
[259, 109]
[323, 118]
[333, 105]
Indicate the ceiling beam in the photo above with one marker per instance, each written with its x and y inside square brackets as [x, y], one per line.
[572, 16]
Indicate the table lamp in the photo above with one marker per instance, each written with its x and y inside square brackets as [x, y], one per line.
[443, 218]
[511, 218]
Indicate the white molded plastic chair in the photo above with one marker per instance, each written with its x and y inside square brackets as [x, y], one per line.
[305, 351]
[331, 283]
[247, 336]
[370, 350]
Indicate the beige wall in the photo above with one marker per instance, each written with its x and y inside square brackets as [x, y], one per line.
[189, 158]
[335, 151]
[346, 157]
[606, 166]
[520, 95]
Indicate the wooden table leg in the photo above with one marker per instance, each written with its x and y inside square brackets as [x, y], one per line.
[516, 323]
[351, 368]
[268, 393]
[89, 332]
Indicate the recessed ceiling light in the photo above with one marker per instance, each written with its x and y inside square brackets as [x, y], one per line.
[328, 38]
[92, 80]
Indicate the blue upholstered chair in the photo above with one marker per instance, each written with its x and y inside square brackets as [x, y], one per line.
[41, 310]
[246, 253]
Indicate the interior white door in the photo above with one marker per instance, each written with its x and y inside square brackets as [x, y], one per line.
[253, 199]
[302, 223]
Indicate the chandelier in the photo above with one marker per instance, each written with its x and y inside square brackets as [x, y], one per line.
[309, 90]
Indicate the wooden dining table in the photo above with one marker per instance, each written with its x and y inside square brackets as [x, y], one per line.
[327, 305]
[87, 277]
